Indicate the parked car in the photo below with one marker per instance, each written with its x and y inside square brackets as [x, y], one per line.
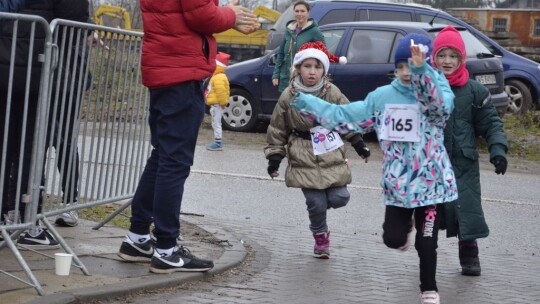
[521, 75]
[369, 48]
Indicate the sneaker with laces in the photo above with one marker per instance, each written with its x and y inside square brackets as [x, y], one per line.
[67, 219]
[321, 250]
[134, 252]
[43, 241]
[429, 297]
[215, 146]
[180, 260]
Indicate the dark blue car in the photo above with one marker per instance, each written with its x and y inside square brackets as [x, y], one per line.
[521, 75]
[369, 48]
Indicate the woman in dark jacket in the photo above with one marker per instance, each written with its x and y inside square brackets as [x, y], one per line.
[474, 115]
[299, 31]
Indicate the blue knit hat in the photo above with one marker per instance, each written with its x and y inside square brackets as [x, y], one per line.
[403, 49]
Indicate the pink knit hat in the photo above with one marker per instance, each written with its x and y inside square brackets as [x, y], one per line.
[449, 37]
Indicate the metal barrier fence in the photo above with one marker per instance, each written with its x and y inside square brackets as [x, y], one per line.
[90, 141]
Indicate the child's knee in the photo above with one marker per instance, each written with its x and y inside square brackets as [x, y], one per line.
[394, 240]
[339, 199]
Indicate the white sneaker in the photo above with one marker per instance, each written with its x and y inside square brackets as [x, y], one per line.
[429, 297]
[67, 219]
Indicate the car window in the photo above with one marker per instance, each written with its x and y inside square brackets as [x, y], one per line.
[370, 46]
[335, 16]
[285, 17]
[332, 38]
[473, 46]
[382, 15]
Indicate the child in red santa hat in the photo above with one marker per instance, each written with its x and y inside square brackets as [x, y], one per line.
[217, 97]
[316, 156]
[474, 115]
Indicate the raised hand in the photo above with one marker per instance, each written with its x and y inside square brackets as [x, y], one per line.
[246, 21]
[417, 56]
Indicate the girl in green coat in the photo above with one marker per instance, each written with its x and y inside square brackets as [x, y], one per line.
[473, 115]
[299, 31]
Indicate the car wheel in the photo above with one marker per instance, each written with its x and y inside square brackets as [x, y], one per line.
[241, 115]
[520, 99]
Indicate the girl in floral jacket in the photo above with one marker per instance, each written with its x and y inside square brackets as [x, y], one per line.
[409, 116]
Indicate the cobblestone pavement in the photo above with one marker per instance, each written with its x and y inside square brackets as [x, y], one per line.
[361, 270]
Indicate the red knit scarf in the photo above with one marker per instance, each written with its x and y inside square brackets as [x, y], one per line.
[460, 76]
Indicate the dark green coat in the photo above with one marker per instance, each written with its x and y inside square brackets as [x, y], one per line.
[290, 45]
[474, 115]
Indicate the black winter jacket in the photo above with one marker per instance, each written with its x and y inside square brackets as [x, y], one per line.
[474, 116]
[76, 10]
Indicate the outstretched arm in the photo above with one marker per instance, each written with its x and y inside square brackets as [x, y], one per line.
[354, 117]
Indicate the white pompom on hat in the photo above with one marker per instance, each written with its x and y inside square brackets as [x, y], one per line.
[318, 51]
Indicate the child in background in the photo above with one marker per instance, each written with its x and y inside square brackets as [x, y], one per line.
[217, 97]
[409, 116]
[320, 171]
[473, 115]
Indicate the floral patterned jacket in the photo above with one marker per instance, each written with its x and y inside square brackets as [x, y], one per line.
[415, 173]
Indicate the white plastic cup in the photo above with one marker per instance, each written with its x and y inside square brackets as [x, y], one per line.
[63, 263]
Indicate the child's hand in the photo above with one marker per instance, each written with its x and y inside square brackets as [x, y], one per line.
[417, 56]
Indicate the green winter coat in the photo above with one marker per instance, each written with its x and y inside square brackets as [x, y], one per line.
[290, 45]
[474, 115]
[305, 169]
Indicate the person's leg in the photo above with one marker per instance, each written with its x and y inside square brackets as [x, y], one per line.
[180, 111]
[397, 226]
[338, 197]
[468, 258]
[217, 113]
[65, 144]
[427, 221]
[317, 205]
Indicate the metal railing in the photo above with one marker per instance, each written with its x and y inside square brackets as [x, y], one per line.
[88, 121]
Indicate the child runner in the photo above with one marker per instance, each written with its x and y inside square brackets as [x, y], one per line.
[409, 116]
[217, 97]
[317, 162]
[474, 115]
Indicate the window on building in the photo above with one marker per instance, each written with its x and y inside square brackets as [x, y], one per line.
[537, 27]
[499, 25]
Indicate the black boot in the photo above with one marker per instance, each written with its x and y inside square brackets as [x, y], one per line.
[468, 258]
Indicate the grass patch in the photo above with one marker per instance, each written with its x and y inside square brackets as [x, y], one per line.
[523, 132]
[98, 213]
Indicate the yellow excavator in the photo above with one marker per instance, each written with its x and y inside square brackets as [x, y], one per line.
[239, 46]
[242, 47]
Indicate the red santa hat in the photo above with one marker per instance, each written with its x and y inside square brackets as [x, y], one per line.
[222, 59]
[318, 51]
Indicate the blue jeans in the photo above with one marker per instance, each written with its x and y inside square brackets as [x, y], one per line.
[319, 201]
[176, 114]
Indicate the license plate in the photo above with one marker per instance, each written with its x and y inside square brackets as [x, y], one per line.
[486, 79]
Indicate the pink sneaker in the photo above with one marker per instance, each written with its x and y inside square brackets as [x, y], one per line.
[322, 245]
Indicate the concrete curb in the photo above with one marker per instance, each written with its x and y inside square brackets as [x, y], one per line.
[233, 255]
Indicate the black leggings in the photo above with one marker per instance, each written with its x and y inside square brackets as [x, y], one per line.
[398, 223]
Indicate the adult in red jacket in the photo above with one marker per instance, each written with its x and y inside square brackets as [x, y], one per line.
[178, 53]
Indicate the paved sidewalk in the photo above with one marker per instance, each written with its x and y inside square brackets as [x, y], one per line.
[109, 274]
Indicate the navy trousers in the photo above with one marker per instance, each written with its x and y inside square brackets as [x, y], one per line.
[176, 113]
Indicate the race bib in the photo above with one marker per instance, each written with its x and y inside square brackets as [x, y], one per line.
[401, 122]
[324, 140]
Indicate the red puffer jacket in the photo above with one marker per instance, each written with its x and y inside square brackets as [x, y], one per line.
[178, 45]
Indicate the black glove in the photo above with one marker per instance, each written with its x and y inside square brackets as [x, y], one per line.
[500, 164]
[273, 166]
[362, 150]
